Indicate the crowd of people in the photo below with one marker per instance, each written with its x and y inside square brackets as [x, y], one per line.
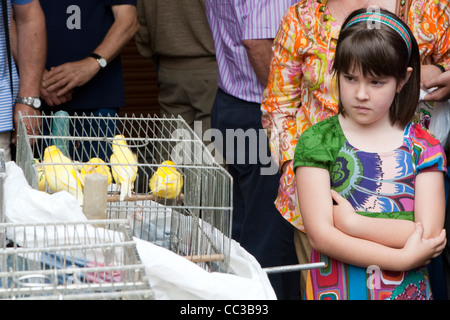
[360, 181]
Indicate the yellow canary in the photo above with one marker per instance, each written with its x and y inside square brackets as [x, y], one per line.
[166, 182]
[124, 166]
[41, 175]
[61, 174]
[95, 165]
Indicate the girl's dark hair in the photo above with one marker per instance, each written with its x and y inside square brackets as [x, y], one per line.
[380, 51]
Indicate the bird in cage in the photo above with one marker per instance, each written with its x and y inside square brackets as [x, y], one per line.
[61, 173]
[123, 165]
[167, 181]
[95, 165]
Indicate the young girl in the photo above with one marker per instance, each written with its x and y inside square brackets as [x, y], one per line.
[386, 173]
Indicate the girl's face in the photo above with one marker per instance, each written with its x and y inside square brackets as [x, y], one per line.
[367, 99]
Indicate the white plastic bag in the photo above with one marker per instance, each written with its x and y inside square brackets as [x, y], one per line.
[173, 277]
[24, 204]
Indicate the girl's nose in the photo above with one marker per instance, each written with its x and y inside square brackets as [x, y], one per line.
[361, 92]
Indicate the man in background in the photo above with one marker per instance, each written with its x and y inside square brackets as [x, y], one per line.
[83, 69]
[243, 32]
[175, 34]
[19, 90]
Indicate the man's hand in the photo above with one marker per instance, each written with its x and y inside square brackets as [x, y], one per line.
[51, 98]
[61, 80]
[32, 124]
[439, 80]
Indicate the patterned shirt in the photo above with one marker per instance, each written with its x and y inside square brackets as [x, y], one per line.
[378, 185]
[299, 93]
[232, 21]
[6, 99]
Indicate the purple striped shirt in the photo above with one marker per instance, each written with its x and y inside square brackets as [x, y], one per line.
[232, 21]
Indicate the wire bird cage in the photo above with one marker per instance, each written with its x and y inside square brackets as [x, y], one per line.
[72, 261]
[195, 223]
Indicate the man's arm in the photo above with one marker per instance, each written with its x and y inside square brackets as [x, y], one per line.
[31, 45]
[259, 53]
[124, 28]
[68, 76]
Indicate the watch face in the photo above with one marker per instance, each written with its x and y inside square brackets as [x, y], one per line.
[102, 62]
[36, 103]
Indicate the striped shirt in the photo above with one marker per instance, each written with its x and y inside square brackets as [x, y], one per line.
[232, 21]
[6, 99]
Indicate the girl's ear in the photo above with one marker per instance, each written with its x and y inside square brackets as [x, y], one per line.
[405, 80]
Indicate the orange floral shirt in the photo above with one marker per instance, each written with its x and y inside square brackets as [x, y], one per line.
[300, 91]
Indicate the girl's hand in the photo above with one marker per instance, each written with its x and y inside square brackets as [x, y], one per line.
[343, 213]
[419, 251]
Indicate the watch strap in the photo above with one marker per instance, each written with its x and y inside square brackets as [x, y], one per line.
[98, 58]
[95, 56]
[29, 101]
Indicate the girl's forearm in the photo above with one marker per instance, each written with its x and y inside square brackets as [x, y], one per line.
[387, 232]
[360, 252]
[317, 211]
[394, 232]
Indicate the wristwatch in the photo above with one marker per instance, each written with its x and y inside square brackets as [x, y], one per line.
[101, 61]
[34, 102]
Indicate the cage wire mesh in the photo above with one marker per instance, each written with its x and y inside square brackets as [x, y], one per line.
[71, 261]
[189, 215]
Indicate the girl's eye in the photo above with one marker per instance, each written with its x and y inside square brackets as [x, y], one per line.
[349, 78]
[377, 82]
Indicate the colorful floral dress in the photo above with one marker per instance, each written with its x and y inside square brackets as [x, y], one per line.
[300, 93]
[378, 185]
